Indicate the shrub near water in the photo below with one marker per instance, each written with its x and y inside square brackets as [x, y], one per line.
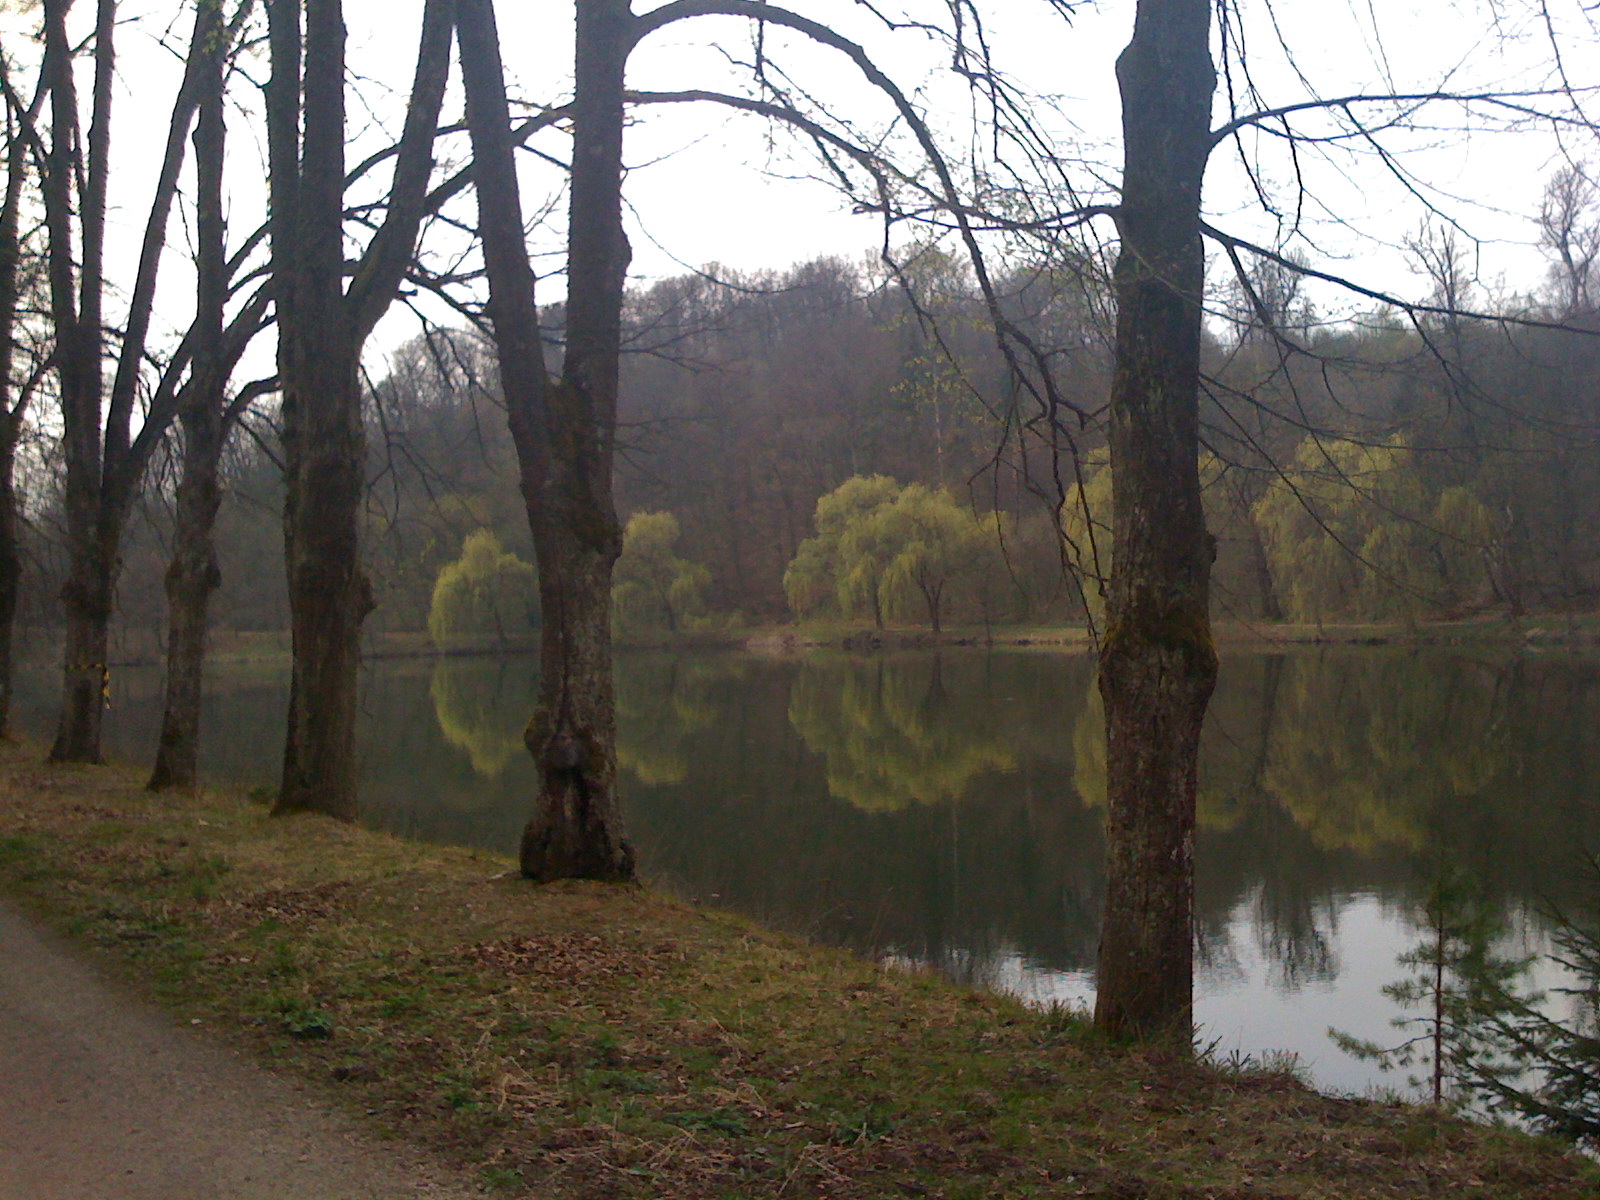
[578, 1040]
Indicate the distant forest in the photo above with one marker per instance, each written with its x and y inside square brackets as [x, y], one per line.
[1383, 468]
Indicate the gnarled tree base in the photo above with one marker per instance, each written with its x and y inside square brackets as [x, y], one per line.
[569, 839]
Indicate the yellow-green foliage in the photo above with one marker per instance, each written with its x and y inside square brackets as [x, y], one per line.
[1364, 767]
[1086, 528]
[486, 590]
[661, 705]
[889, 735]
[903, 552]
[472, 718]
[651, 586]
[941, 552]
[813, 578]
[1351, 530]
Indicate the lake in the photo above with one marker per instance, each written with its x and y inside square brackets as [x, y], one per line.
[945, 808]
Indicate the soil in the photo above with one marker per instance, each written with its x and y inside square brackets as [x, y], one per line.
[104, 1098]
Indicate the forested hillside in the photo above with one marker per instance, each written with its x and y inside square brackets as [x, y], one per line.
[1372, 470]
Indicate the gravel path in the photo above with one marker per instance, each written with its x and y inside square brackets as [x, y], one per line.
[104, 1098]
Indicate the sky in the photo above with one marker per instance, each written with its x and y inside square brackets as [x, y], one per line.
[708, 187]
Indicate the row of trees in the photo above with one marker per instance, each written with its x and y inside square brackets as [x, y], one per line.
[1382, 513]
[328, 264]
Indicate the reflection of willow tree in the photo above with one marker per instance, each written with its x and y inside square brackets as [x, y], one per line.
[660, 704]
[1224, 767]
[1366, 765]
[477, 713]
[891, 736]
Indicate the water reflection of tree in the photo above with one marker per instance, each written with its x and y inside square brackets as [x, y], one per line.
[1286, 892]
[1009, 868]
[1365, 763]
[743, 805]
[481, 709]
[892, 736]
[1226, 772]
[427, 786]
[662, 702]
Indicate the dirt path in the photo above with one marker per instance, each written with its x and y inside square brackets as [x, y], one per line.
[103, 1098]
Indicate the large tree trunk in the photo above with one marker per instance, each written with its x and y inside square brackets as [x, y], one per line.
[193, 575]
[1157, 661]
[577, 830]
[324, 446]
[10, 570]
[85, 674]
[75, 301]
[563, 433]
[321, 329]
[329, 597]
[104, 460]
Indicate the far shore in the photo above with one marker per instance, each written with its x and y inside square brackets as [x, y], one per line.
[1490, 631]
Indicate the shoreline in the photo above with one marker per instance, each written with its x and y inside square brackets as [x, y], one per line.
[1528, 634]
[578, 1040]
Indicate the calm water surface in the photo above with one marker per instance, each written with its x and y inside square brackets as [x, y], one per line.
[946, 808]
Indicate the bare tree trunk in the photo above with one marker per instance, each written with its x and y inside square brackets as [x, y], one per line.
[10, 567]
[576, 831]
[104, 460]
[12, 403]
[321, 329]
[76, 310]
[329, 593]
[193, 573]
[1261, 567]
[1157, 661]
[324, 447]
[192, 576]
[563, 433]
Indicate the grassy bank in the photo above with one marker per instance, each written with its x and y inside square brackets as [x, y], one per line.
[582, 1041]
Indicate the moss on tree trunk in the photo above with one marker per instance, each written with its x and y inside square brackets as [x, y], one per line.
[1157, 662]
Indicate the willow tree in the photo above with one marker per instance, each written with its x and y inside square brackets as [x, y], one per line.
[322, 326]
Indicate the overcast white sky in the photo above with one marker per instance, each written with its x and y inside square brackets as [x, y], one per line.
[709, 187]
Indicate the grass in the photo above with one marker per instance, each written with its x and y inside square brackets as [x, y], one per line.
[585, 1041]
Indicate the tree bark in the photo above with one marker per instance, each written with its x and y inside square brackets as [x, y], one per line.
[104, 460]
[1266, 587]
[324, 447]
[563, 433]
[10, 569]
[75, 301]
[193, 574]
[13, 401]
[577, 830]
[1157, 661]
[321, 329]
